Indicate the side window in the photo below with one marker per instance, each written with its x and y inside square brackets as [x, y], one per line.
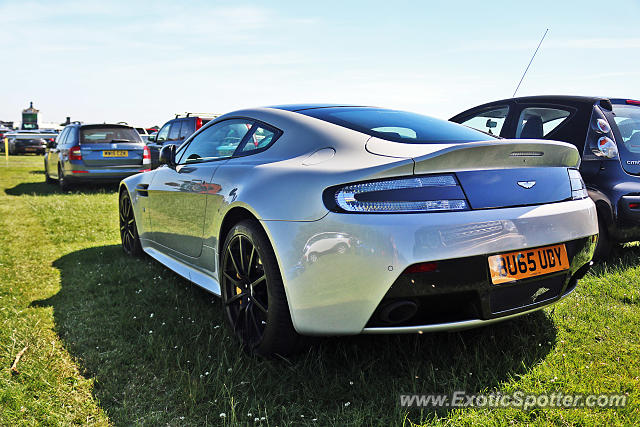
[538, 122]
[174, 133]
[61, 138]
[260, 138]
[188, 127]
[70, 137]
[163, 134]
[489, 121]
[215, 142]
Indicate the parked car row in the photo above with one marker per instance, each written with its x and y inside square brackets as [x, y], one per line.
[109, 152]
[338, 220]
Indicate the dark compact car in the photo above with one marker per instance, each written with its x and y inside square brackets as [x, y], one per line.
[23, 142]
[175, 132]
[606, 131]
[96, 152]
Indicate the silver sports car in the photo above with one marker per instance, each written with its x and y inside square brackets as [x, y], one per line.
[334, 220]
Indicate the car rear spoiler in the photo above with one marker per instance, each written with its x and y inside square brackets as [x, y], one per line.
[499, 154]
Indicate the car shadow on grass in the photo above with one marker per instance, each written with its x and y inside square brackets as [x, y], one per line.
[44, 189]
[159, 352]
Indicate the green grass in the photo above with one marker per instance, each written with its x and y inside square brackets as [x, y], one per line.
[113, 340]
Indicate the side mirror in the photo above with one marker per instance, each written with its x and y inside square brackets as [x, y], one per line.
[168, 155]
[151, 138]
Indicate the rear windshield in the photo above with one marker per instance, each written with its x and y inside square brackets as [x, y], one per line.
[398, 126]
[106, 134]
[627, 118]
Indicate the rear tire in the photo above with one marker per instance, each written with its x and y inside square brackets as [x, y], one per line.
[47, 177]
[603, 247]
[128, 227]
[254, 300]
[64, 185]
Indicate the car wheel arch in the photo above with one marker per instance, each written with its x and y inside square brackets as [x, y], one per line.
[605, 212]
[237, 214]
[231, 218]
[123, 187]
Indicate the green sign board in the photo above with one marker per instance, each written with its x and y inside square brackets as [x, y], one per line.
[29, 118]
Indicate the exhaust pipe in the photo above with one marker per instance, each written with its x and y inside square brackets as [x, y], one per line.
[398, 311]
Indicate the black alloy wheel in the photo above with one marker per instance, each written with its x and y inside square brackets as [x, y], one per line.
[128, 230]
[253, 294]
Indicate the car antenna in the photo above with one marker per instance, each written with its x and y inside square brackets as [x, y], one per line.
[527, 69]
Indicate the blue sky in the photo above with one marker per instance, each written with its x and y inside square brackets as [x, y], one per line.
[142, 62]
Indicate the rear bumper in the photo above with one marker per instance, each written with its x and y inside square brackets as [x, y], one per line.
[21, 148]
[460, 293]
[339, 293]
[627, 224]
[77, 173]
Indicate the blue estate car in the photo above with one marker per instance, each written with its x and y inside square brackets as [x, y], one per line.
[95, 153]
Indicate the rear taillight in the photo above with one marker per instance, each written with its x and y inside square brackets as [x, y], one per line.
[146, 156]
[198, 123]
[600, 140]
[428, 193]
[578, 189]
[75, 153]
[633, 102]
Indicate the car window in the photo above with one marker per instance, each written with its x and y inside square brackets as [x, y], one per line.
[489, 121]
[260, 138]
[410, 128]
[188, 127]
[108, 134]
[61, 138]
[163, 134]
[627, 118]
[399, 131]
[71, 137]
[538, 122]
[215, 142]
[174, 133]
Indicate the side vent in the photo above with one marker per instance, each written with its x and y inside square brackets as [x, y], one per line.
[141, 189]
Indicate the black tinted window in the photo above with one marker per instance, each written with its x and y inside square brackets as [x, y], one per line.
[174, 133]
[398, 126]
[188, 127]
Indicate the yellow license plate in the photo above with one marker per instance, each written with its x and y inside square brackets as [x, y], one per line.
[522, 264]
[115, 153]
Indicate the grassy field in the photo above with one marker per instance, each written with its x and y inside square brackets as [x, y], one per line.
[112, 340]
